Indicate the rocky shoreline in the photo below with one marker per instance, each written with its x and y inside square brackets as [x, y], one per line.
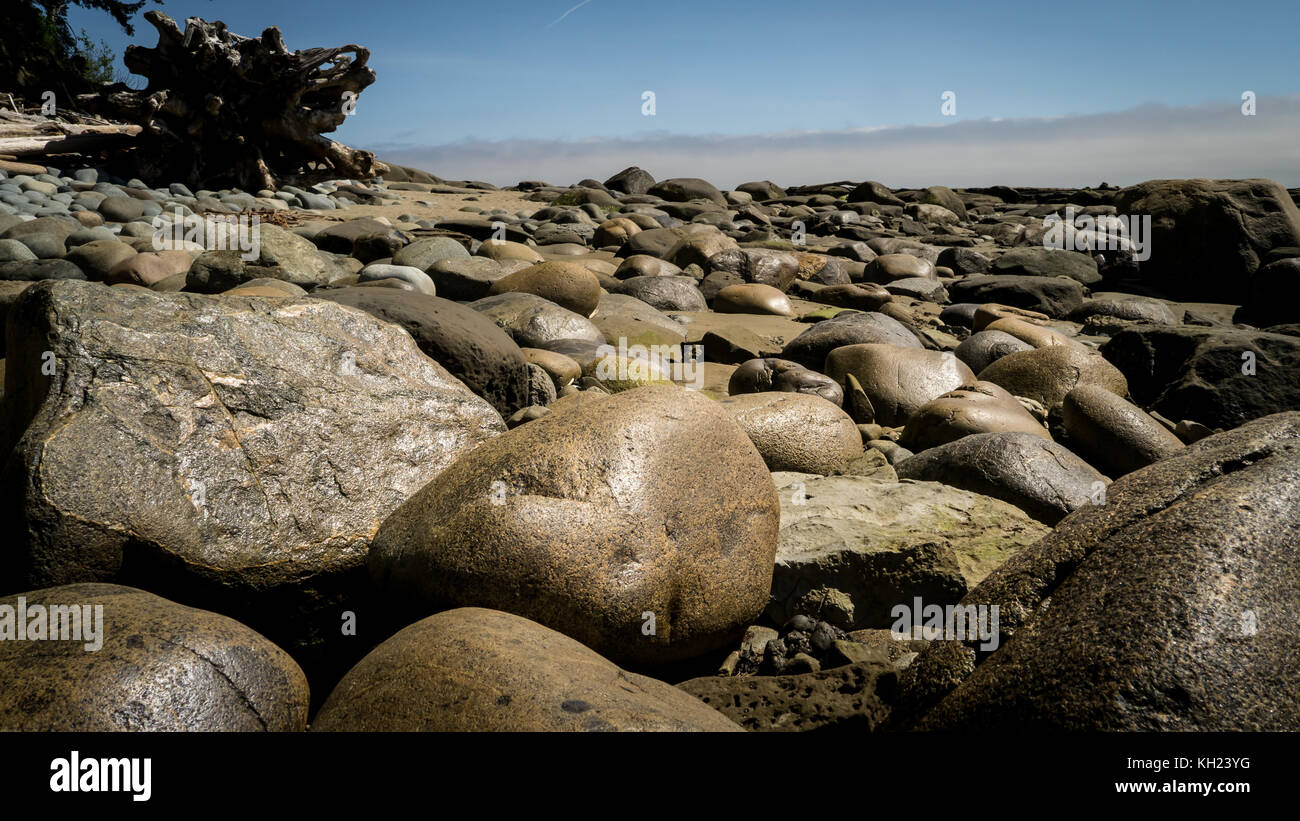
[416, 454]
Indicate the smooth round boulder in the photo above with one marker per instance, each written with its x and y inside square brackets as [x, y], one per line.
[98, 257]
[478, 670]
[1114, 434]
[466, 343]
[1037, 336]
[982, 349]
[889, 267]
[870, 297]
[506, 251]
[752, 298]
[562, 369]
[1149, 311]
[1054, 296]
[615, 231]
[1274, 295]
[1048, 262]
[423, 253]
[811, 347]
[796, 431]
[897, 381]
[651, 501]
[667, 293]
[567, 284]
[773, 374]
[152, 267]
[466, 278]
[1047, 374]
[40, 269]
[980, 407]
[11, 250]
[533, 321]
[684, 189]
[419, 280]
[117, 659]
[991, 312]
[644, 265]
[1039, 476]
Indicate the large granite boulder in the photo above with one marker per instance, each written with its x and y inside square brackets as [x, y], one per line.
[642, 524]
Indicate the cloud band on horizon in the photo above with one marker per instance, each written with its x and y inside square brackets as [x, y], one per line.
[1148, 142]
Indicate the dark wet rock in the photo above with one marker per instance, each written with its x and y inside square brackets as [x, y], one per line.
[1220, 377]
[1047, 262]
[1182, 583]
[462, 340]
[1038, 476]
[774, 374]
[963, 261]
[1206, 233]
[1275, 293]
[682, 189]
[630, 180]
[465, 278]
[811, 347]
[1113, 434]
[734, 346]
[40, 269]
[1053, 296]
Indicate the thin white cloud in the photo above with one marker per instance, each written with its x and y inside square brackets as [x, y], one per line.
[1123, 147]
[567, 13]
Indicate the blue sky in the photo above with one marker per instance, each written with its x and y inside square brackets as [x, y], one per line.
[454, 75]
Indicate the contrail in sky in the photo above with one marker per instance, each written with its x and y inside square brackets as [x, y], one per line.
[567, 13]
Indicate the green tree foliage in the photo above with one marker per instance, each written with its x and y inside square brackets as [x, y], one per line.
[40, 51]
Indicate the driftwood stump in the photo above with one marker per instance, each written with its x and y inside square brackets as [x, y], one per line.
[223, 109]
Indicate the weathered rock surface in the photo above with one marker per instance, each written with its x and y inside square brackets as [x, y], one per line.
[235, 453]
[158, 667]
[1171, 606]
[1220, 377]
[854, 698]
[868, 545]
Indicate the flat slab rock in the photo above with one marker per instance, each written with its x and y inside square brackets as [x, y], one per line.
[865, 545]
